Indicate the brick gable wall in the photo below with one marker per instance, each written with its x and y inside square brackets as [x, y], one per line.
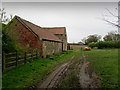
[23, 35]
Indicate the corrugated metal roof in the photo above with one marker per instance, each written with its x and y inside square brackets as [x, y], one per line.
[39, 31]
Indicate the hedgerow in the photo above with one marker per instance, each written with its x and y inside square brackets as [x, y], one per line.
[105, 44]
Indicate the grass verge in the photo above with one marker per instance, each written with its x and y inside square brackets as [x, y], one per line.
[30, 73]
[105, 63]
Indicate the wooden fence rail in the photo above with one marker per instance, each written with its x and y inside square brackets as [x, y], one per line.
[14, 59]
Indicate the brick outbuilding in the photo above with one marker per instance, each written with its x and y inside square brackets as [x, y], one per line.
[49, 41]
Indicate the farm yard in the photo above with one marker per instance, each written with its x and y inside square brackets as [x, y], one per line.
[60, 45]
[41, 57]
[69, 69]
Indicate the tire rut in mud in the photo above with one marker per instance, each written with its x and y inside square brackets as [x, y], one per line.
[70, 79]
[78, 72]
[87, 76]
[54, 78]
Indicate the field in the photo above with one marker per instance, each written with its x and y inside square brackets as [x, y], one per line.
[68, 67]
[105, 64]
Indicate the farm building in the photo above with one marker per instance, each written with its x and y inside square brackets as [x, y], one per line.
[75, 46]
[30, 35]
[60, 32]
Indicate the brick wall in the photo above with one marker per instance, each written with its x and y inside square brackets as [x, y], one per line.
[76, 46]
[23, 35]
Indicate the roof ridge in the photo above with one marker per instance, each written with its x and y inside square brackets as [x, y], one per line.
[53, 27]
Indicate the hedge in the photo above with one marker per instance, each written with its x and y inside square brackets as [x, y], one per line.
[105, 44]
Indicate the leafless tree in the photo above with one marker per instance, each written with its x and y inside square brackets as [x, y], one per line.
[3, 16]
[114, 23]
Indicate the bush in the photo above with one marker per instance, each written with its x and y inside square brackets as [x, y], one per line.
[105, 44]
[8, 43]
[92, 45]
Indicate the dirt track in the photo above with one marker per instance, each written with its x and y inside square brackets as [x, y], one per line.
[87, 78]
[53, 79]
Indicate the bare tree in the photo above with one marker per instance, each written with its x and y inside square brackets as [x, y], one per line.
[114, 23]
[3, 16]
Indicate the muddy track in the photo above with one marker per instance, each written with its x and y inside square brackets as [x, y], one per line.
[53, 79]
[86, 76]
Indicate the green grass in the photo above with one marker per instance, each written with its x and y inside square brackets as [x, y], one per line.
[31, 73]
[71, 79]
[105, 63]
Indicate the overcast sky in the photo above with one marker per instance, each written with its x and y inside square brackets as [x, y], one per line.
[80, 19]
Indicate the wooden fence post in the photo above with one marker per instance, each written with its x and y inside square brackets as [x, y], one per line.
[25, 57]
[16, 58]
[40, 53]
[36, 53]
[32, 54]
[3, 61]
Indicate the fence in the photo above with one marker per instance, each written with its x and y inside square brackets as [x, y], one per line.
[14, 59]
